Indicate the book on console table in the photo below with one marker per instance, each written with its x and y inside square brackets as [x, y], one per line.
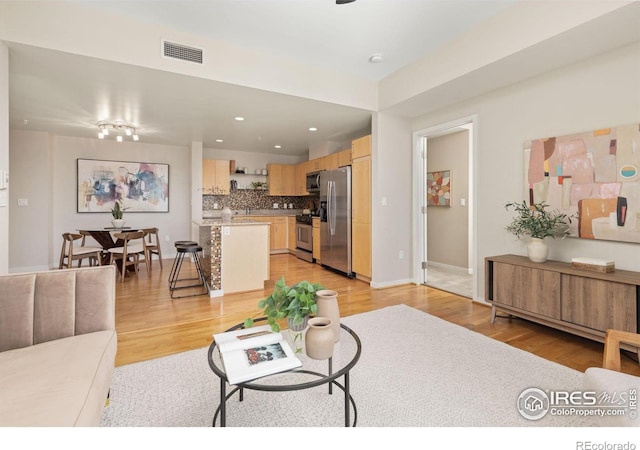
[255, 352]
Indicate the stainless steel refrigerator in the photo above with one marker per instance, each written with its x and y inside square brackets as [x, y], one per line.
[335, 220]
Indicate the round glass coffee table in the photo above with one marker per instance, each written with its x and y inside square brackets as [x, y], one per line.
[312, 373]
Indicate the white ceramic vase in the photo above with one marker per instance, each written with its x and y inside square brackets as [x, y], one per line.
[117, 223]
[537, 250]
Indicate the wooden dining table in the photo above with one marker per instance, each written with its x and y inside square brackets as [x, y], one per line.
[105, 238]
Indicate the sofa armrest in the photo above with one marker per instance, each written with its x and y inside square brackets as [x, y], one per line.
[612, 341]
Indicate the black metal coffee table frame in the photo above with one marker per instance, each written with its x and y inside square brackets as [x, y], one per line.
[329, 378]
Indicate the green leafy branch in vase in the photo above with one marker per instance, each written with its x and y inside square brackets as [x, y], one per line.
[538, 221]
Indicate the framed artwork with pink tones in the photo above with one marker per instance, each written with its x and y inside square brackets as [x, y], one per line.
[594, 174]
[439, 188]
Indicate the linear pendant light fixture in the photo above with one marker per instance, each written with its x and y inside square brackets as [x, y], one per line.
[105, 127]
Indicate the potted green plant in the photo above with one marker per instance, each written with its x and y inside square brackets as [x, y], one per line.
[118, 213]
[538, 222]
[292, 303]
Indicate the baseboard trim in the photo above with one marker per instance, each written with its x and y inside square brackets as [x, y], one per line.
[463, 270]
[387, 284]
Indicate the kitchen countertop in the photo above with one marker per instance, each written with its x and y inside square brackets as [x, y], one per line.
[236, 221]
[217, 213]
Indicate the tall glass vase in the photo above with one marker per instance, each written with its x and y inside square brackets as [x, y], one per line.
[327, 302]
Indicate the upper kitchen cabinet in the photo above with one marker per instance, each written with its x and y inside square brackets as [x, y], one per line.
[281, 179]
[330, 162]
[361, 147]
[301, 178]
[315, 165]
[215, 177]
[344, 158]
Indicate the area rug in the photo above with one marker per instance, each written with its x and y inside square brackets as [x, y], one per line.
[415, 370]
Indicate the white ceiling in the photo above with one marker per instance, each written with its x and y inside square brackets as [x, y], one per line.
[62, 93]
[67, 94]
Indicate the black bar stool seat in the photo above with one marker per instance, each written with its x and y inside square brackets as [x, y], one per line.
[185, 249]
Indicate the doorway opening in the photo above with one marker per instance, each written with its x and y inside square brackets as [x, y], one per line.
[445, 219]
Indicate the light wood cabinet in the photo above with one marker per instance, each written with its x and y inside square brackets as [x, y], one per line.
[315, 165]
[315, 235]
[361, 190]
[558, 295]
[301, 178]
[278, 233]
[344, 158]
[278, 229]
[291, 234]
[361, 216]
[361, 147]
[330, 162]
[215, 177]
[361, 248]
[281, 179]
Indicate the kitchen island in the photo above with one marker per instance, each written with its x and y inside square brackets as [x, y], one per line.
[235, 254]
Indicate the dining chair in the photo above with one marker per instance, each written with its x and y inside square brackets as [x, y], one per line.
[153, 245]
[78, 252]
[132, 253]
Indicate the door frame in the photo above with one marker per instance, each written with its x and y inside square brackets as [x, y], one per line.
[419, 227]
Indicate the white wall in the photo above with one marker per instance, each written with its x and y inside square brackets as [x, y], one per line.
[448, 227]
[30, 226]
[598, 93]
[52, 206]
[391, 178]
[4, 154]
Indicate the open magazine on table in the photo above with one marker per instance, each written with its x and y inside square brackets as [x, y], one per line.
[254, 352]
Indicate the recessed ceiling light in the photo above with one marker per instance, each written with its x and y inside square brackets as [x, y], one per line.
[239, 119]
[313, 129]
[377, 58]
[219, 140]
[277, 146]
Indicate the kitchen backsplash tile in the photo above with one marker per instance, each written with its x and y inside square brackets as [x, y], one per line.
[241, 199]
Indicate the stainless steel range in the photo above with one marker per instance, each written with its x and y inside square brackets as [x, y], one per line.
[304, 237]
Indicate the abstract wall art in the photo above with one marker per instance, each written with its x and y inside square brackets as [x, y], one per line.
[142, 187]
[439, 188]
[594, 174]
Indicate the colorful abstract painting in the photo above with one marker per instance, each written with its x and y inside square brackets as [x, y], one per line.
[439, 188]
[142, 187]
[592, 174]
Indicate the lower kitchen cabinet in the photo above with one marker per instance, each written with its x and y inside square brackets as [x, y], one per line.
[277, 232]
[291, 234]
[361, 248]
[316, 238]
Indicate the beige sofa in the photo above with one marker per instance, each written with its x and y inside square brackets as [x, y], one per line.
[57, 346]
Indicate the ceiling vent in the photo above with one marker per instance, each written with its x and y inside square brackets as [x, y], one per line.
[182, 52]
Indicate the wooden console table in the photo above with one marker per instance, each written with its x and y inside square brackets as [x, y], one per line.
[555, 294]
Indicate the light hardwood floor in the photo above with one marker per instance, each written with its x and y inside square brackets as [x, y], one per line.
[150, 324]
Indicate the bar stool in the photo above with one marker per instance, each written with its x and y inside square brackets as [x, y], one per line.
[184, 248]
[177, 244]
